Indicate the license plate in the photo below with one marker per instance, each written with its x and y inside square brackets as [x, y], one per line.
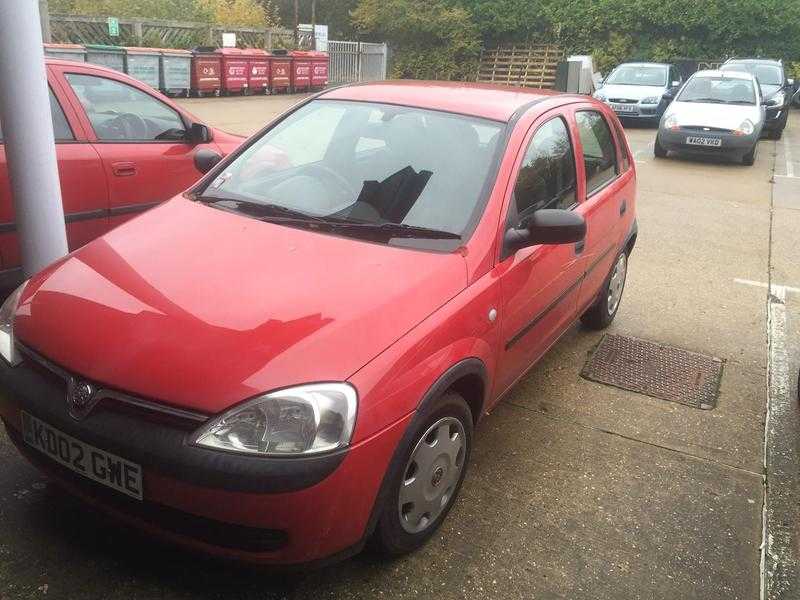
[704, 141]
[625, 108]
[95, 464]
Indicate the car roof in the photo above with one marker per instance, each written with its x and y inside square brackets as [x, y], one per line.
[725, 74]
[763, 61]
[643, 64]
[488, 101]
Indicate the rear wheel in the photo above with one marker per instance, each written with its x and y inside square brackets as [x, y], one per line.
[658, 149]
[431, 469]
[602, 312]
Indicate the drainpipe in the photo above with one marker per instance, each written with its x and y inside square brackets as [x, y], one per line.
[28, 137]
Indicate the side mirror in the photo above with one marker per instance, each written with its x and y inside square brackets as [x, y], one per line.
[669, 95]
[205, 160]
[790, 81]
[200, 134]
[675, 84]
[547, 226]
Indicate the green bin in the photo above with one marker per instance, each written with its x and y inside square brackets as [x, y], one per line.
[175, 73]
[142, 64]
[112, 57]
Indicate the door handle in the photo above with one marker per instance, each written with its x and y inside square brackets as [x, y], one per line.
[580, 247]
[623, 208]
[123, 169]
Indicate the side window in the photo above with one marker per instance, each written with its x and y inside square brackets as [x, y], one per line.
[120, 112]
[623, 147]
[61, 129]
[547, 175]
[599, 153]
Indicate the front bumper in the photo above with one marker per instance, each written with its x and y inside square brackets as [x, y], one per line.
[637, 110]
[270, 511]
[732, 145]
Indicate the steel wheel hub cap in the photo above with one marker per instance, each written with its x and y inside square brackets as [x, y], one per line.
[617, 283]
[431, 474]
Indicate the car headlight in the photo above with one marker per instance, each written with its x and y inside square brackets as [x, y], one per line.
[746, 128]
[671, 122]
[776, 100]
[8, 350]
[307, 419]
[651, 100]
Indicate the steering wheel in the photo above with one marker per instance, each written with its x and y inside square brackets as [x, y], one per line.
[133, 126]
[331, 175]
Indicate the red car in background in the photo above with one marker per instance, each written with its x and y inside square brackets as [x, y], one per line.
[290, 358]
[121, 148]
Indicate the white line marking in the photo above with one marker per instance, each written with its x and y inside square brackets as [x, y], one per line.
[777, 290]
[787, 153]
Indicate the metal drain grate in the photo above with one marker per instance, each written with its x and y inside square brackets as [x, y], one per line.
[656, 370]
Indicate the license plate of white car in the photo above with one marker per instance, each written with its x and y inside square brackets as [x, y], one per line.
[624, 108]
[704, 141]
[95, 464]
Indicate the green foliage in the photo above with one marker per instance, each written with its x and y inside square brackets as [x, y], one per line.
[430, 39]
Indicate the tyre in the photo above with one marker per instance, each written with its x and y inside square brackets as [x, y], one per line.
[658, 149]
[749, 159]
[427, 478]
[602, 312]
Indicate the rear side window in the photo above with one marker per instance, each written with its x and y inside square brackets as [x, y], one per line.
[547, 175]
[623, 147]
[599, 152]
[61, 129]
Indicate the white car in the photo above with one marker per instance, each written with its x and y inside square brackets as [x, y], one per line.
[640, 90]
[716, 113]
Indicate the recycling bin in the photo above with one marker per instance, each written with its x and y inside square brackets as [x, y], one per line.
[175, 72]
[258, 71]
[66, 51]
[142, 64]
[234, 70]
[280, 65]
[301, 70]
[112, 57]
[320, 61]
[206, 71]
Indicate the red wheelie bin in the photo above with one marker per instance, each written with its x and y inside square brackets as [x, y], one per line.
[258, 71]
[234, 70]
[206, 71]
[301, 70]
[280, 72]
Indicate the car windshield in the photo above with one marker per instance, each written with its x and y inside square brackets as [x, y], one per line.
[766, 74]
[718, 90]
[390, 174]
[655, 75]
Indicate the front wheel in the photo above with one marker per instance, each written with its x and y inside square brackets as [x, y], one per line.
[602, 312]
[659, 150]
[431, 469]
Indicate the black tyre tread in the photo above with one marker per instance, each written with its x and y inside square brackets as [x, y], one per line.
[389, 537]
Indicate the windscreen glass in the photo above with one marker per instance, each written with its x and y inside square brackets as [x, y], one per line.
[655, 75]
[718, 90]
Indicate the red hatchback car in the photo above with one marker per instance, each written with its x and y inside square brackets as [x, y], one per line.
[122, 148]
[291, 357]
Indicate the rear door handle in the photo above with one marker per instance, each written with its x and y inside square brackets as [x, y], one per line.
[580, 246]
[623, 208]
[123, 169]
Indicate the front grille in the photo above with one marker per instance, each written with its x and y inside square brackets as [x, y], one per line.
[703, 129]
[623, 100]
[165, 518]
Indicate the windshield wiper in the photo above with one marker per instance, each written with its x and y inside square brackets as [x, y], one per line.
[396, 230]
[261, 210]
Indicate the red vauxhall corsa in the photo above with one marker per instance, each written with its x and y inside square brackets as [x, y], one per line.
[291, 357]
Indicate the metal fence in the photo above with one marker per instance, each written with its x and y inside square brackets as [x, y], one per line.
[352, 62]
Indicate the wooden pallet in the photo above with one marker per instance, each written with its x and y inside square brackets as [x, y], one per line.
[532, 65]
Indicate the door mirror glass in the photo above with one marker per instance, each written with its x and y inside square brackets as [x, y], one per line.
[199, 134]
[205, 160]
[547, 226]
[675, 84]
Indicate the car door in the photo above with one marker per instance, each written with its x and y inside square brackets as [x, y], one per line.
[143, 142]
[608, 194]
[539, 284]
[84, 191]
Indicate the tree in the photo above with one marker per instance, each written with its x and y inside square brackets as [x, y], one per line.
[431, 39]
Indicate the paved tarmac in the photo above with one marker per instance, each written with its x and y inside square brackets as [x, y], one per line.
[576, 490]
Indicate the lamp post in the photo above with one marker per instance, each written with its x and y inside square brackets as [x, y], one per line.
[28, 136]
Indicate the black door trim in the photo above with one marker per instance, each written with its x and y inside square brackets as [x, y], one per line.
[88, 215]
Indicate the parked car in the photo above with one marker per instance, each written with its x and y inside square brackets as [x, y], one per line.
[776, 88]
[121, 148]
[291, 357]
[640, 90]
[715, 113]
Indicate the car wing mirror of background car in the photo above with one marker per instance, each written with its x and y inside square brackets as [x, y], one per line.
[546, 226]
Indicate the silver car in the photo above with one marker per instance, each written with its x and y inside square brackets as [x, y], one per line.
[715, 113]
[640, 90]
